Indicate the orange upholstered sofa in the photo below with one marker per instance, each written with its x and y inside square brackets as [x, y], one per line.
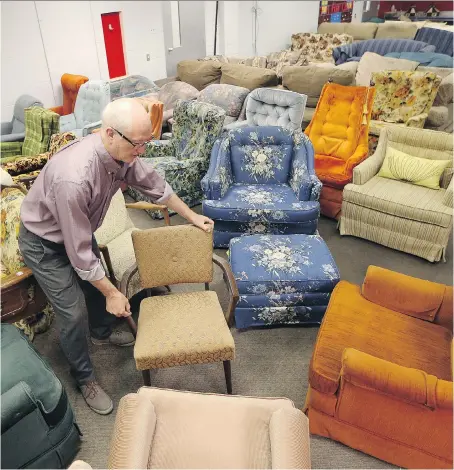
[70, 85]
[380, 378]
[339, 133]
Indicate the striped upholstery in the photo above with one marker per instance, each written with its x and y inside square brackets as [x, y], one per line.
[397, 214]
[354, 51]
[440, 38]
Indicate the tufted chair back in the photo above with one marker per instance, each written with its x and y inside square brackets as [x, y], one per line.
[71, 84]
[274, 107]
[93, 97]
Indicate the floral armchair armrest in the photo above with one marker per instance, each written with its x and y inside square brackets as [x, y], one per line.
[417, 121]
[159, 148]
[206, 180]
[222, 176]
[303, 180]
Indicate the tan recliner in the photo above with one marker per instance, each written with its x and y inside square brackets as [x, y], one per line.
[159, 428]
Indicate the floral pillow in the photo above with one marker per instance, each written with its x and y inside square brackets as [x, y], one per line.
[278, 60]
[319, 47]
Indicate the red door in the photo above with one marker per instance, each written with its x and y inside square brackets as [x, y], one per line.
[113, 41]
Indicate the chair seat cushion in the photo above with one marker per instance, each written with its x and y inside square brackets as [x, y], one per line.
[401, 199]
[181, 329]
[351, 321]
[192, 429]
[275, 203]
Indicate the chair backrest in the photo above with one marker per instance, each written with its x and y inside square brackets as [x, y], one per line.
[156, 111]
[261, 154]
[70, 85]
[116, 220]
[341, 120]
[228, 97]
[421, 143]
[173, 255]
[195, 129]
[274, 107]
[23, 102]
[401, 95]
[40, 125]
[92, 98]
[12, 259]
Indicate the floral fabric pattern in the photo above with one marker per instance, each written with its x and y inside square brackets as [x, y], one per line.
[261, 180]
[403, 96]
[278, 60]
[228, 97]
[318, 47]
[285, 279]
[184, 160]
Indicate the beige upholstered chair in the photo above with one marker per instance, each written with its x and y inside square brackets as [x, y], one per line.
[186, 327]
[158, 428]
[115, 242]
[399, 214]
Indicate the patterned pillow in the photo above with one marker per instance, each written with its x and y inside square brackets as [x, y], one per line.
[278, 60]
[319, 47]
[420, 171]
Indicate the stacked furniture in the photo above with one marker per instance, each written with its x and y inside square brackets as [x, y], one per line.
[281, 279]
[14, 130]
[277, 435]
[263, 181]
[183, 160]
[380, 378]
[339, 133]
[38, 424]
[131, 86]
[92, 98]
[402, 196]
[70, 85]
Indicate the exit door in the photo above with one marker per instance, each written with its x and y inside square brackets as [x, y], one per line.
[113, 41]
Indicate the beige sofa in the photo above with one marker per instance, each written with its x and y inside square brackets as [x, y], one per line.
[363, 31]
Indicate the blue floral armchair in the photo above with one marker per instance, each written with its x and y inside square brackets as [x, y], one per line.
[183, 160]
[261, 180]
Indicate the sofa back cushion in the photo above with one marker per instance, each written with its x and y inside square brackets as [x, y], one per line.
[335, 129]
[402, 95]
[275, 107]
[228, 97]
[318, 47]
[371, 62]
[310, 80]
[261, 155]
[396, 30]
[247, 76]
[199, 74]
[359, 31]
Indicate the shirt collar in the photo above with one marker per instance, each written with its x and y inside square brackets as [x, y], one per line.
[110, 164]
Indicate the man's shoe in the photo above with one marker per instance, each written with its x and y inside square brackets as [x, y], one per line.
[96, 398]
[117, 338]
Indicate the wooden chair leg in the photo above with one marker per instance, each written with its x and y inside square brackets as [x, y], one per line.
[146, 378]
[228, 376]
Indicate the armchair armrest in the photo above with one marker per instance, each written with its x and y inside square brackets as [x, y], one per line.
[447, 198]
[57, 109]
[68, 123]
[289, 439]
[16, 278]
[7, 127]
[221, 177]
[417, 121]
[18, 137]
[403, 383]
[236, 125]
[159, 148]
[10, 149]
[231, 284]
[358, 156]
[89, 128]
[17, 402]
[133, 433]
[206, 180]
[368, 168]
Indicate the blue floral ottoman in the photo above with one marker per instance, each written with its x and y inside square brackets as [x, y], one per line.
[282, 279]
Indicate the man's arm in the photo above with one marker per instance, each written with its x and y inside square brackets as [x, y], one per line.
[70, 209]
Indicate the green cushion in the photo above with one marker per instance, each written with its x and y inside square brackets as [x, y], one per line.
[420, 171]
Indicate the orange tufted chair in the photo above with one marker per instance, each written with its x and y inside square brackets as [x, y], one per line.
[70, 84]
[380, 378]
[339, 133]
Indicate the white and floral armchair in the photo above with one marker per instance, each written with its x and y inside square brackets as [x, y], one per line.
[262, 180]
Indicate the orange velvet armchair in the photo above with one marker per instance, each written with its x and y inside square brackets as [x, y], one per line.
[380, 378]
[70, 85]
[339, 133]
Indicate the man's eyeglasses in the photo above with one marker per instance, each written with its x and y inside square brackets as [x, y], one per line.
[136, 145]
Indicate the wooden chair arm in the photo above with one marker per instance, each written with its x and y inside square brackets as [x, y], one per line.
[16, 278]
[150, 206]
[231, 284]
[105, 252]
[125, 280]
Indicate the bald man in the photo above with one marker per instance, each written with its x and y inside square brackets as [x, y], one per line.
[64, 207]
